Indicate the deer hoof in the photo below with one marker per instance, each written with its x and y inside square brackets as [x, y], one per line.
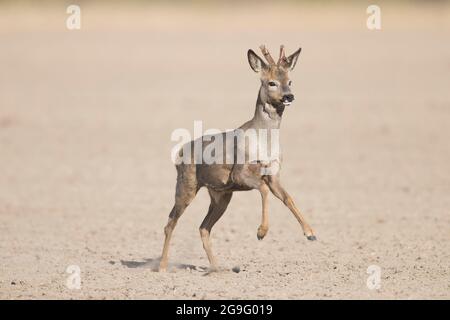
[262, 231]
[162, 268]
[213, 269]
[311, 238]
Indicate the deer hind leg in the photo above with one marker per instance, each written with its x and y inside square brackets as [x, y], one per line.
[219, 203]
[279, 192]
[264, 227]
[185, 192]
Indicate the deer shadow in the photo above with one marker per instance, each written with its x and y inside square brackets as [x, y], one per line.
[153, 264]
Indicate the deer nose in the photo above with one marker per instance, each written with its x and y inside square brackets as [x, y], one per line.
[288, 97]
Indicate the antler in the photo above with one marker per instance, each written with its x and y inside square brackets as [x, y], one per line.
[266, 54]
[282, 59]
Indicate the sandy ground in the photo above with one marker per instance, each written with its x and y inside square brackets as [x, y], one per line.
[86, 177]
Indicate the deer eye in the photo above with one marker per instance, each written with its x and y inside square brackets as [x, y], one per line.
[272, 84]
[290, 83]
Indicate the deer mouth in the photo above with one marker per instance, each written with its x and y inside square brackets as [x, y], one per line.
[287, 100]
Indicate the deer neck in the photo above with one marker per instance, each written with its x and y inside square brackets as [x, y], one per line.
[266, 115]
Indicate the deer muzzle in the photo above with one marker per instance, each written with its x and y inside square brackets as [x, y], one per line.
[287, 99]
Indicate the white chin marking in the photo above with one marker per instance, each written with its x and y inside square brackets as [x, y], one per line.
[286, 104]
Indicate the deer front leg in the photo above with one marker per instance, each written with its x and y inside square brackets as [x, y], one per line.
[264, 227]
[280, 193]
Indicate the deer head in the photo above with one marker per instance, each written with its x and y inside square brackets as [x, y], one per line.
[275, 83]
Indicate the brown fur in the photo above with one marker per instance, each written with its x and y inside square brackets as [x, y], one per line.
[222, 180]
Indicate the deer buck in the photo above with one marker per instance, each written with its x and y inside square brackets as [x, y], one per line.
[222, 179]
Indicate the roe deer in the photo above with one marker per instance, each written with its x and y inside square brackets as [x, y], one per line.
[223, 179]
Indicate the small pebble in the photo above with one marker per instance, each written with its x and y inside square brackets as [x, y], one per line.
[236, 269]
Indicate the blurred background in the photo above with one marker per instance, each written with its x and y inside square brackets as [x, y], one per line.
[86, 117]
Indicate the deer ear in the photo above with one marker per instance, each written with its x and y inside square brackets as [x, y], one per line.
[292, 59]
[256, 63]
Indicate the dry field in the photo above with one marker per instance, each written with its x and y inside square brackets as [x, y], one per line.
[85, 171]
